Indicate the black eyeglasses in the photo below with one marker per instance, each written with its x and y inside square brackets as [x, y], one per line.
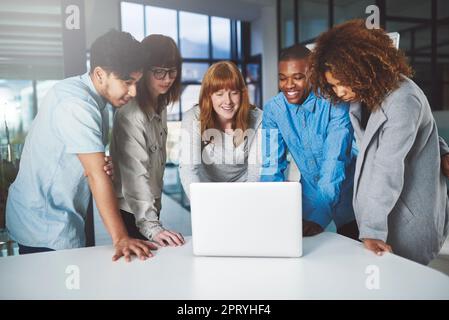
[160, 73]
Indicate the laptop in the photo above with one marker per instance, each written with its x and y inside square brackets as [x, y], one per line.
[251, 219]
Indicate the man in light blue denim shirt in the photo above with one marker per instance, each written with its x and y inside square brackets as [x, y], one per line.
[63, 157]
[319, 137]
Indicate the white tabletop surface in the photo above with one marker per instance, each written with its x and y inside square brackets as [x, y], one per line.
[332, 267]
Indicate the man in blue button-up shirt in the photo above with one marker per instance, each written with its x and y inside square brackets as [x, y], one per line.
[319, 137]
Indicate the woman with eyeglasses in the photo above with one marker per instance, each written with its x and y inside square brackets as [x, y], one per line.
[138, 145]
[220, 137]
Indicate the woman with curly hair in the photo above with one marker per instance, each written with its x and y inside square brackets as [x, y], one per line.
[400, 195]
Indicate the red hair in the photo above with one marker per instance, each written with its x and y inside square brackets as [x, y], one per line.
[223, 75]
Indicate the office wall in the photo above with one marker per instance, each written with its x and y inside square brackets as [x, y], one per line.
[264, 41]
[101, 16]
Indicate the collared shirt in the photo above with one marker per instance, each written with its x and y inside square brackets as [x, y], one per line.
[319, 137]
[138, 150]
[47, 203]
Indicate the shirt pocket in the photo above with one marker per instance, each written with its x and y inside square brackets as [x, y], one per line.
[317, 148]
[153, 149]
[315, 154]
[401, 214]
[157, 157]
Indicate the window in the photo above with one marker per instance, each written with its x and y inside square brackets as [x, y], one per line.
[313, 19]
[443, 9]
[239, 40]
[190, 96]
[221, 38]
[19, 101]
[202, 40]
[193, 71]
[409, 9]
[17, 110]
[192, 75]
[174, 112]
[405, 41]
[194, 35]
[161, 21]
[412, 19]
[254, 79]
[287, 23]
[347, 10]
[132, 19]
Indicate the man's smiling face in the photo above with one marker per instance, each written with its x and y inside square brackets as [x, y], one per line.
[292, 80]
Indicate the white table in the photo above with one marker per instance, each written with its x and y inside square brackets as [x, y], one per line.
[333, 267]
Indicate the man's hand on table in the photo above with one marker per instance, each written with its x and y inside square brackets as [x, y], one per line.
[169, 238]
[310, 228]
[379, 247]
[126, 247]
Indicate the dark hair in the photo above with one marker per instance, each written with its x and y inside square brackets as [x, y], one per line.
[295, 52]
[117, 52]
[362, 59]
[160, 51]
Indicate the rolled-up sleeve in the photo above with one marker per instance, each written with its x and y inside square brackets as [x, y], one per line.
[337, 154]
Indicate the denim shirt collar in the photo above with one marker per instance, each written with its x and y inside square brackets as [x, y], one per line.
[308, 104]
[97, 97]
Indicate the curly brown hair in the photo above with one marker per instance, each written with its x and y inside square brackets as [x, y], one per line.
[362, 59]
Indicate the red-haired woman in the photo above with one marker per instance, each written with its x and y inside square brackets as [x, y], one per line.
[400, 195]
[220, 135]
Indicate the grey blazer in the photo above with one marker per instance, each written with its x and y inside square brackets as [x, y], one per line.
[400, 194]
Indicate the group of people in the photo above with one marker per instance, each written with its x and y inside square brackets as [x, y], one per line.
[358, 128]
